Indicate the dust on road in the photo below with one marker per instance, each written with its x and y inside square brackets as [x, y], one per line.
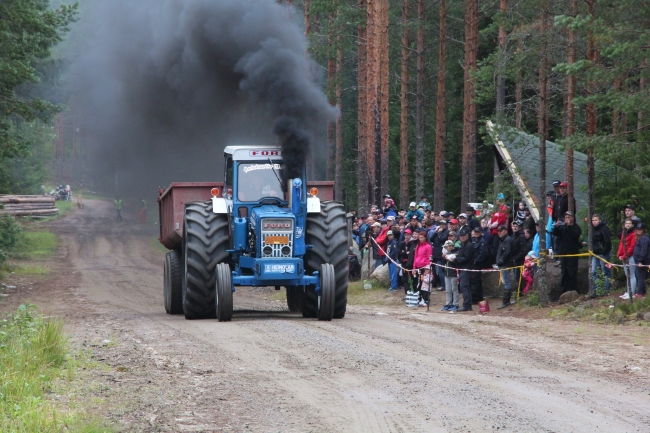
[380, 369]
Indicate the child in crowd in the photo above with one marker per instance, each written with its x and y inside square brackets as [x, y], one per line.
[426, 281]
[529, 269]
[451, 276]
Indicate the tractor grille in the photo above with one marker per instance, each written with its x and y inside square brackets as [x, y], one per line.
[276, 238]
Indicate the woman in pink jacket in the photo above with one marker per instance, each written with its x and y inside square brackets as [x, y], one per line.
[421, 259]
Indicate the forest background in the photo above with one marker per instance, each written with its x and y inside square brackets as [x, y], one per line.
[415, 81]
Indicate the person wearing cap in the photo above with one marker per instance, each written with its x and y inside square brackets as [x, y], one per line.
[464, 260]
[601, 246]
[630, 212]
[392, 253]
[389, 207]
[372, 245]
[626, 255]
[413, 210]
[472, 222]
[451, 277]
[453, 236]
[453, 225]
[561, 203]
[504, 261]
[437, 242]
[568, 233]
[481, 261]
[424, 203]
[462, 222]
[641, 258]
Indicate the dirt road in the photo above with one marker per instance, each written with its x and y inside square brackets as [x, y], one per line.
[380, 369]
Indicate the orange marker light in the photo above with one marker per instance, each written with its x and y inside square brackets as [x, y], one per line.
[229, 191]
[313, 192]
[215, 192]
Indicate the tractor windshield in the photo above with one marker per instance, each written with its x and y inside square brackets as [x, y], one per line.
[256, 181]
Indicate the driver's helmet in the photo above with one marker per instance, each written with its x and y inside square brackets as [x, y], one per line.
[266, 190]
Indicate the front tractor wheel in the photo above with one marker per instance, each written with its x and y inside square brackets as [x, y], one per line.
[205, 244]
[327, 292]
[173, 287]
[223, 298]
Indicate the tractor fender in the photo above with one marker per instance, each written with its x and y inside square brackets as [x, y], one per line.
[220, 205]
[313, 205]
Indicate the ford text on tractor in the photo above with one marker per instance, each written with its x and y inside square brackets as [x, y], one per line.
[255, 229]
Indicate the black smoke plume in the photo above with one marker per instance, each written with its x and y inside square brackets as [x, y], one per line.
[164, 85]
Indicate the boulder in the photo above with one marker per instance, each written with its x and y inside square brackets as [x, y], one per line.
[381, 275]
[554, 279]
[367, 265]
[646, 317]
[491, 287]
[569, 296]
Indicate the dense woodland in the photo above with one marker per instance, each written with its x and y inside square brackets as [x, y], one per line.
[415, 81]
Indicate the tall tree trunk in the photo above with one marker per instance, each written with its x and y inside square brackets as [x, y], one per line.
[331, 77]
[419, 105]
[374, 81]
[362, 118]
[519, 89]
[639, 116]
[501, 84]
[592, 118]
[404, 112]
[384, 99]
[468, 193]
[338, 168]
[570, 115]
[441, 120]
[543, 131]
[311, 156]
[501, 77]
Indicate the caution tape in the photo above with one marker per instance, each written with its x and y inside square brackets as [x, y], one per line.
[443, 266]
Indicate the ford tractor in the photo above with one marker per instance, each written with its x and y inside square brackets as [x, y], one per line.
[254, 229]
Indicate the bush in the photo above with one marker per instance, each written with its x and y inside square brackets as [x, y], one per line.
[9, 235]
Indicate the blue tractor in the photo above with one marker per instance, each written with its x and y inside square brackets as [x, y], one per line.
[263, 231]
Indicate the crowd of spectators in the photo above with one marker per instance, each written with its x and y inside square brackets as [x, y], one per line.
[427, 250]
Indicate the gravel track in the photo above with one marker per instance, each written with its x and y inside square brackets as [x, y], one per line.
[381, 369]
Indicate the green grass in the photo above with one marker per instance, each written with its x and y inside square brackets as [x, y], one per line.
[33, 357]
[29, 269]
[35, 245]
[602, 311]
[65, 207]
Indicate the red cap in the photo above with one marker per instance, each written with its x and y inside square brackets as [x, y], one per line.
[454, 221]
[564, 184]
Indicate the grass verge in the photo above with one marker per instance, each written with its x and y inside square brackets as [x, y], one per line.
[33, 356]
[35, 245]
[603, 310]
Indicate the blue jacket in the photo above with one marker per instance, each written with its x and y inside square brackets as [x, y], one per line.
[642, 249]
[392, 250]
[417, 212]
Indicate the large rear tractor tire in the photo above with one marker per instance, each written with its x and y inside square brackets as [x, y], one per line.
[294, 298]
[223, 295]
[327, 292]
[327, 231]
[205, 243]
[173, 283]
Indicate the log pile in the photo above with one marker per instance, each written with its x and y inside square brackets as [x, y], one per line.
[28, 205]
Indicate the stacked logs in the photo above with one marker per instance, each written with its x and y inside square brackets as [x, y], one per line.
[28, 205]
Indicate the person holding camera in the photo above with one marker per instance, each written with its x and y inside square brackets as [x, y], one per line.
[568, 233]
